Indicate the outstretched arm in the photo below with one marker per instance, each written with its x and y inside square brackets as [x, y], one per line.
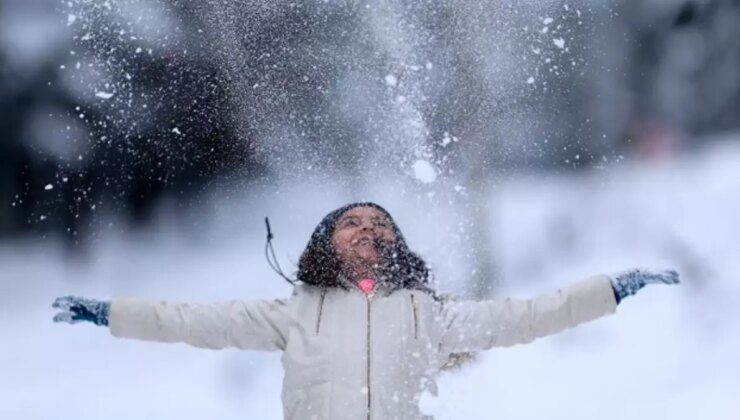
[256, 325]
[472, 326]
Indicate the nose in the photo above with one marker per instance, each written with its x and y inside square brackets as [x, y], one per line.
[368, 225]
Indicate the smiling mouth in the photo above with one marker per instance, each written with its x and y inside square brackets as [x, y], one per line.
[363, 242]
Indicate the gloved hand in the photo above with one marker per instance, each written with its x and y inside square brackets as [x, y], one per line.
[76, 309]
[629, 282]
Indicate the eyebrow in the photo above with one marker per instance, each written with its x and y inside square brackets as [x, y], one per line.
[374, 218]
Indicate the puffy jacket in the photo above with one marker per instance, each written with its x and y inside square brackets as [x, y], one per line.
[351, 356]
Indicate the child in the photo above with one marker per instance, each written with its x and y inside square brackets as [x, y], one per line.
[363, 334]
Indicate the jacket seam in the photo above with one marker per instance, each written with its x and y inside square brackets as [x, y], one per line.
[415, 314]
[320, 310]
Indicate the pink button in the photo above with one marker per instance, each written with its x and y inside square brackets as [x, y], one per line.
[366, 285]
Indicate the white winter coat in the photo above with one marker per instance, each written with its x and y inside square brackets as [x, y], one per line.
[348, 356]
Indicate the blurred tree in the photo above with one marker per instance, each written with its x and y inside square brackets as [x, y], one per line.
[680, 67]
[152, 124]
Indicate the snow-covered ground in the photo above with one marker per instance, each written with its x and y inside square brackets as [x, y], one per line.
[669, 352]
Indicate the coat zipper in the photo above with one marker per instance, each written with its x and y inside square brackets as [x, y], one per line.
[369, 300]
[320, 310]
[415, 309]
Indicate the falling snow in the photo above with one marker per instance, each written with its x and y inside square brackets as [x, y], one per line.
[103, 95]
[424, 171]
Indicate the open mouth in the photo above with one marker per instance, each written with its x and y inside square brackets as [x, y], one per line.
[363, 242]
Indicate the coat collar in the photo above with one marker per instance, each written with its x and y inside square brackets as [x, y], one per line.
[382, 287]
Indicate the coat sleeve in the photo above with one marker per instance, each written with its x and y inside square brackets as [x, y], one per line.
[472, 326]
[255, 325]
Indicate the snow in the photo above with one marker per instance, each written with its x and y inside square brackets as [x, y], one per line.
[447, 139]
[429, 404]
[103, 95]
[71, 19]
[424, 171]
[48, 187]
[530, 80]
[391, 80]
[559, 42]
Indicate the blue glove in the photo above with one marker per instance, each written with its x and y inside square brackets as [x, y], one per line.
[629, 282]
[76, 309]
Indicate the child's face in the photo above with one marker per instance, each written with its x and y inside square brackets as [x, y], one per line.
[355, 234]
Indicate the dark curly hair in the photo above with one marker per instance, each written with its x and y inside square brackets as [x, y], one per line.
[320, 266]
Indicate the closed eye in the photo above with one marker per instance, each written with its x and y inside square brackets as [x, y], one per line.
[382, 222]
[349, 221]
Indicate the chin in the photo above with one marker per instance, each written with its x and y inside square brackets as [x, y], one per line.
[368, 259]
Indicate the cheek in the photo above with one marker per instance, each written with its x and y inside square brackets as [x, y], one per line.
[340, 242]
[389, 235]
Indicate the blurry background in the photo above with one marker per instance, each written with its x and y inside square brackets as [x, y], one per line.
[520, 147]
